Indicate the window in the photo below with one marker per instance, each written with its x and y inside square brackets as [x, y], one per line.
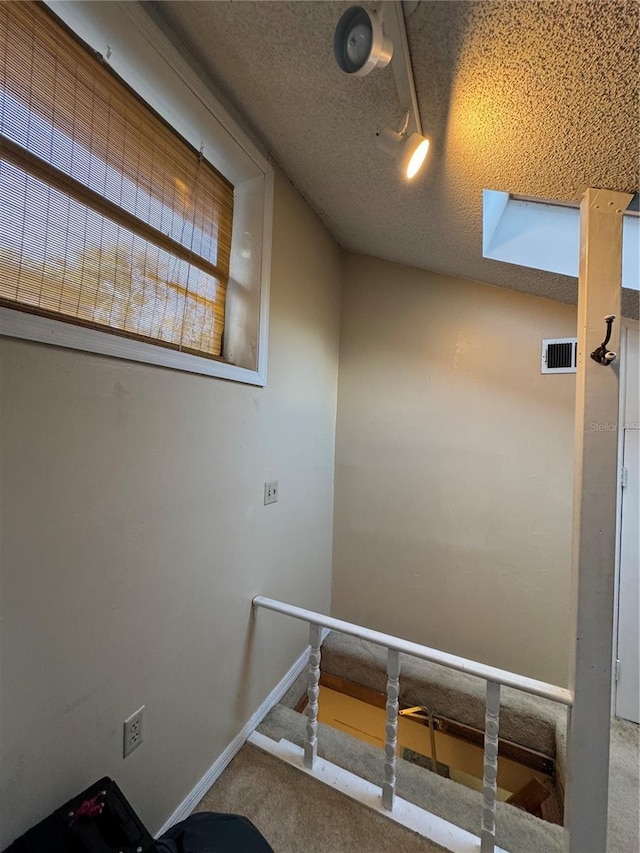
[111, 221]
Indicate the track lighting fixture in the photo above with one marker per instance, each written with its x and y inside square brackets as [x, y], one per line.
[410, 151]
[361, 43]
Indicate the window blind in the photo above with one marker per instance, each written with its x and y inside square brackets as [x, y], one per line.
[108, 218]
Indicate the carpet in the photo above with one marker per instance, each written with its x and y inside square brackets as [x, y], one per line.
[297, 813]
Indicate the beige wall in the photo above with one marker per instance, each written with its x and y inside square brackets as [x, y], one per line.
[452, 521]
[134, 536]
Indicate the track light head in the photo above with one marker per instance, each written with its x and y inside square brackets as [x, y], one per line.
[410, 152]
[359, 43]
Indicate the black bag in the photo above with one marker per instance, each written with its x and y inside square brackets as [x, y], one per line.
[208, 832]
[100, 820]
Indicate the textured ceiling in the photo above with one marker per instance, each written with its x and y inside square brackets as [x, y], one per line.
[535, 98]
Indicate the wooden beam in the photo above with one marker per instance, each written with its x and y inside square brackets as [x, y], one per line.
[353, 689]
[594, 521]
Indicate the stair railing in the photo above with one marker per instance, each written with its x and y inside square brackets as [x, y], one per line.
[495, 679]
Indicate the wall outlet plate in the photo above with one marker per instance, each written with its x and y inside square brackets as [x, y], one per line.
[133, 731]
[271, 492]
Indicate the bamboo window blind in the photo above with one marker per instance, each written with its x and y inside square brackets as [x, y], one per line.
[108, 219]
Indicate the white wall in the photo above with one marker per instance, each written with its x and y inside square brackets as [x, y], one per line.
[134, 536]
[454, 467]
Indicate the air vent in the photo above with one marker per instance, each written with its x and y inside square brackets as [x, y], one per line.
[559, 355]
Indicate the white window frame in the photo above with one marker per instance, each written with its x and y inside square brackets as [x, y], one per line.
[139, 51]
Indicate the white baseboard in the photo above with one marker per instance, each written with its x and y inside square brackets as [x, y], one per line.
[407, 814]
[193, 798]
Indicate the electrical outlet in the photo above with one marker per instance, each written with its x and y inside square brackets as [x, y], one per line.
[271, 492]
[134, 731]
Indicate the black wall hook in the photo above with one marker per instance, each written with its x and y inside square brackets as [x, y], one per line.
[603, 355]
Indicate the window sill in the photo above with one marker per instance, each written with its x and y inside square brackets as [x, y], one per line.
[18, 324]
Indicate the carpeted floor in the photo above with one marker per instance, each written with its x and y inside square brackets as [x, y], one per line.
[296, 813]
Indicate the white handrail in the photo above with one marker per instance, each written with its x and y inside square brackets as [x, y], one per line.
[489, 673]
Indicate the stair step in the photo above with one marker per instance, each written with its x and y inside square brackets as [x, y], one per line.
[517, 831]
[431, 827]
[524, 719]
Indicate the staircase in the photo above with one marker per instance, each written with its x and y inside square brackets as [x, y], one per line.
[532, 729]
[446, 814]
[452, 695]
[530, 721]
[535, 724]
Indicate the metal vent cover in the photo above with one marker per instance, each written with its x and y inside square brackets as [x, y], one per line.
[559, 355]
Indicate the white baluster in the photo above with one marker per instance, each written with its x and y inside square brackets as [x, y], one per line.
[313, 691]
[490, 782]
[391, 729]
